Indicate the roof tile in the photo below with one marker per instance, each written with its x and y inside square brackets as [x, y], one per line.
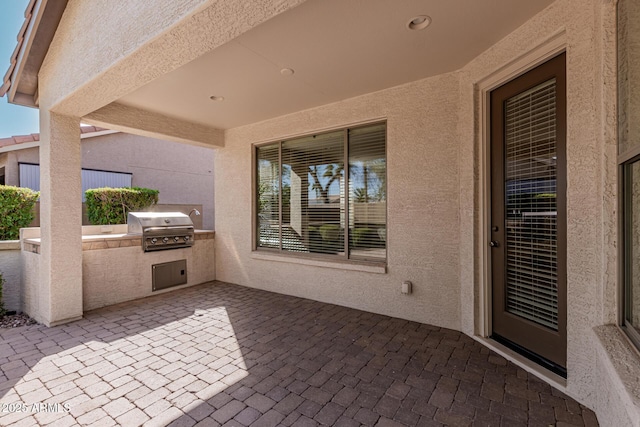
[6, 81]
[34, 137]
[20, 139]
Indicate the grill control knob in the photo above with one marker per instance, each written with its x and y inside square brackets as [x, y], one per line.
[186, 238]
[175, 239]
[165, 239]
[153, 241]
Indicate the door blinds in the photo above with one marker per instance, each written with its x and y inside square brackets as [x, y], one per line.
[530, 130]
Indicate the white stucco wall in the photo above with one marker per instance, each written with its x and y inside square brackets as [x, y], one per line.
[422, 168]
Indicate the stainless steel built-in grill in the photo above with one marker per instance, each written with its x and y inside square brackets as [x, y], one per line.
[162, 230]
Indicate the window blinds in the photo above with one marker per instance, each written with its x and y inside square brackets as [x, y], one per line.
[368, 192]
[530, 129]
[307, 202]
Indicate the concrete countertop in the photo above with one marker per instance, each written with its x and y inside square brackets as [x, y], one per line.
[108, 241]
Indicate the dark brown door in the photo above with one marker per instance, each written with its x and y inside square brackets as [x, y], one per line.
[528, 214]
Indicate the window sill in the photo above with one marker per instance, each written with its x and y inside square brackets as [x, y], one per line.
[366, 267]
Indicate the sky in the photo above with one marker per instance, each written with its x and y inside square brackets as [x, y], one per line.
[14, 119]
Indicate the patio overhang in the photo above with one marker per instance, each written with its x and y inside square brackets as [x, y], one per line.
[278, 62]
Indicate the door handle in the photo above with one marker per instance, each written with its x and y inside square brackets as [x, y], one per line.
[494, 244]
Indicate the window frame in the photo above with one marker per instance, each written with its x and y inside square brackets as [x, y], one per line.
[337, 258]
[625, 161]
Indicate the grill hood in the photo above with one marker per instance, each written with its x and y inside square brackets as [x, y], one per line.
[137, 222]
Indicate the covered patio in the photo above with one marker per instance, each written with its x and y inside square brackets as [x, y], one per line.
[222, 354]
[468, 165]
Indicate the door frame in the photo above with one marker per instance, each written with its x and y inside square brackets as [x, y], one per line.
[548, 49]
[542, 343]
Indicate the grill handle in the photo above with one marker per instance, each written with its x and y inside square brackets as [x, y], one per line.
[165, 229]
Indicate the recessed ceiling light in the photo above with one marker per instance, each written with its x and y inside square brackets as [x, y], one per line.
[287, 72]
[420, 22]
[216, 98]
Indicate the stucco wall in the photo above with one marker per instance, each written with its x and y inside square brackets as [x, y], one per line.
[182, 173]
[629, 125]
[422, 230]
[28, 155]
[11, 171]
[10, 268]
[436, 171]
[616, 374]
[31, 298]
[115, 275]
[629, 77]
[436, 186]
[591, 174]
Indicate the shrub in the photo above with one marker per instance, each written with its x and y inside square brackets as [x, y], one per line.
[364, 236]
[16, 210]
[329, 232]
[111, 205]
[2, 310]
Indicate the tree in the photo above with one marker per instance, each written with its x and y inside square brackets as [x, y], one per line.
[332, 172]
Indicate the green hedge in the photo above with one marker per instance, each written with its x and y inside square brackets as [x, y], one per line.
[111, 205]
[16, 210]
[329, 232]
[363, 236]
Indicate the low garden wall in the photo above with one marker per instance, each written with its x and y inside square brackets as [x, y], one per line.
[11, 269]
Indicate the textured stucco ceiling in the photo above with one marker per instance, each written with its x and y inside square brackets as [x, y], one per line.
[338, 49]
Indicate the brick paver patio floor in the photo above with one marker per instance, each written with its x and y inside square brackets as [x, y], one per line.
[222, 354]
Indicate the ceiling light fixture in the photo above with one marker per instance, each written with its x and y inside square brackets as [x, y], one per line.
[420, 22]
[216, 98]
[287, 72]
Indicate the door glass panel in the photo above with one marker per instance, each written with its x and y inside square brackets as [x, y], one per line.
[531, 213]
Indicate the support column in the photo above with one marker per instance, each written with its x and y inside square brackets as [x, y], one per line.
[60, 288]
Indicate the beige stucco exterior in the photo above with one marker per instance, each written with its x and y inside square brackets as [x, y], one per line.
[437, 175]
[10, 268]
[436, 168]
[183, 174]
[422, 161]
[114, 267]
